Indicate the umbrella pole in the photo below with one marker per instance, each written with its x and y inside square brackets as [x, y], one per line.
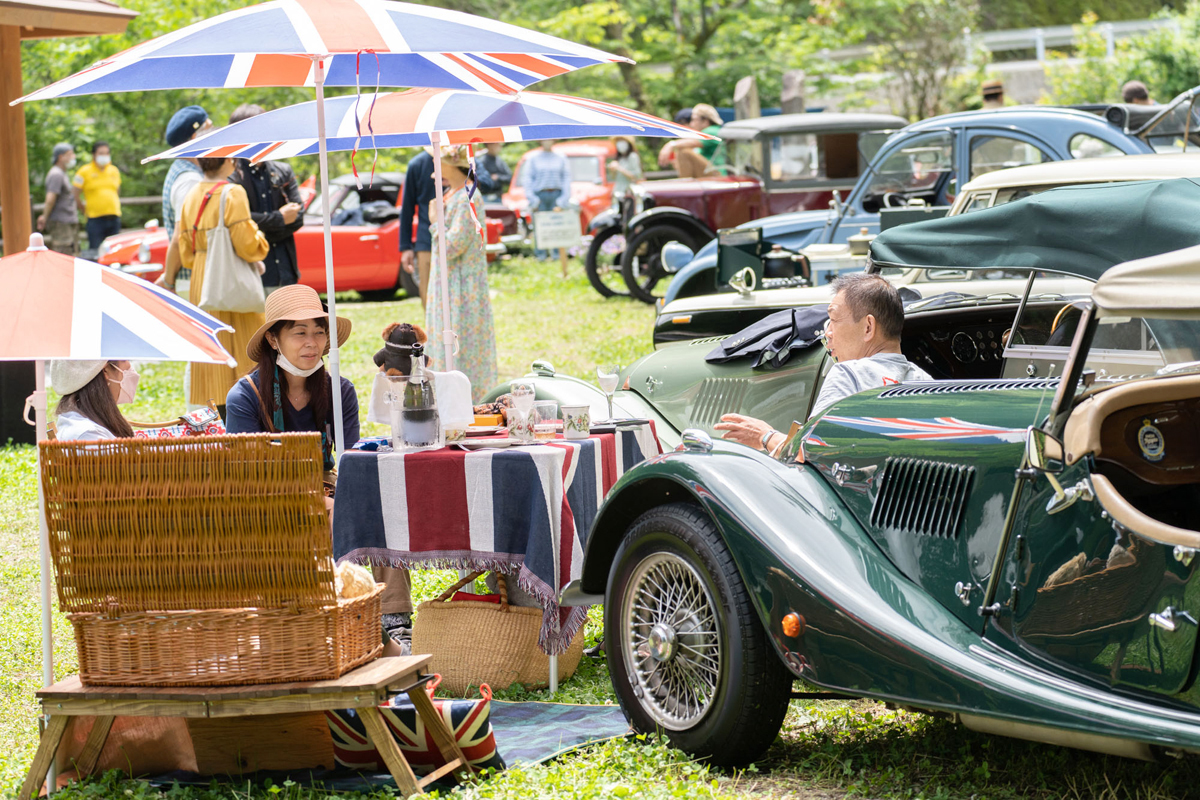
[335, 362]
[39, 416]
[443, 275]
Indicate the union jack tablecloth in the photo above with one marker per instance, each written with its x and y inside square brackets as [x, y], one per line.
[520, 510]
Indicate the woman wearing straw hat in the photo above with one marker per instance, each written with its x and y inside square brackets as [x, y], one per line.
[197, 218]
[289, 390]
[91, 392]
[470, 306]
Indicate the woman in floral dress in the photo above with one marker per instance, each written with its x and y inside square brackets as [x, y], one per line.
[470, 306]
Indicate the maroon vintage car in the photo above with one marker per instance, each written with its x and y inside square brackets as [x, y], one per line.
[769, 165]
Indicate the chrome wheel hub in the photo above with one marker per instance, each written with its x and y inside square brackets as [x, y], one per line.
[672, 646]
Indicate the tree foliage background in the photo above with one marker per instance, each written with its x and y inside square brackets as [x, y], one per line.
[688, 51]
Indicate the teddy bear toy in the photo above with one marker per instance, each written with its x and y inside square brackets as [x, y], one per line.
[396, 356]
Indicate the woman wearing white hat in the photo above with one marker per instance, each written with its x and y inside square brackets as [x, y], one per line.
[91, 392]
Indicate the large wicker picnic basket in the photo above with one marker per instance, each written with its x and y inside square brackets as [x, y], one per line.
[475, 641]
[200, 562]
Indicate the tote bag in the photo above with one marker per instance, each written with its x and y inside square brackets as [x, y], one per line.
[230, 283]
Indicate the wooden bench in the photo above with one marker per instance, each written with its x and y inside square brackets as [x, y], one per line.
[363, 689]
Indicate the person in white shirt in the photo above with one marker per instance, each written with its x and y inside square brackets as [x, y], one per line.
[866, 317]
[90, 393]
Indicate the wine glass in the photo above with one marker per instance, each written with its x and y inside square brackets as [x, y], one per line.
[608, 376]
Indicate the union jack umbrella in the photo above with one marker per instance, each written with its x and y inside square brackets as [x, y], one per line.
[58, 306]
[410, 118]
[338, 43]
[362, 42]
[426, 117]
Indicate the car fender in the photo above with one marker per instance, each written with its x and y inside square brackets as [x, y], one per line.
[864, 628]
[670, 215]
[604, 219]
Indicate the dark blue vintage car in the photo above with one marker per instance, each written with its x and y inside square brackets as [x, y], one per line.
[1015, 549]
[929, 160]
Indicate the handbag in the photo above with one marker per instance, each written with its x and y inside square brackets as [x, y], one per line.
[469, 721]
[201, 422]
[230, 282]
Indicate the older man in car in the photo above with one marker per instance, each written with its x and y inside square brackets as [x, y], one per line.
[866, 317]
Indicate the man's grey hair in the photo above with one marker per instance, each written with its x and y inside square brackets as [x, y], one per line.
[866, 293]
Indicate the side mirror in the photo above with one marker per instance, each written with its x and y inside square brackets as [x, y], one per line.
[151, 225]
[836, 203]
[1043, 451]
[675, 256]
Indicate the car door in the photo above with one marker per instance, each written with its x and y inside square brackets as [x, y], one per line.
[357, 248]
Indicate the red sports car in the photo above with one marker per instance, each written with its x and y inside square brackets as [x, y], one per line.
[366, 241]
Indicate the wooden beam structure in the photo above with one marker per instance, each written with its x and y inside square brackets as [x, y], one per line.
[35, 19]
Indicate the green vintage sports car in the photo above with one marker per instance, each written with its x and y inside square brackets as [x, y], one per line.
[1014, 550]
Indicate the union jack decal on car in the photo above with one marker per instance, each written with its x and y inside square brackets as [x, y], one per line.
[938, 429]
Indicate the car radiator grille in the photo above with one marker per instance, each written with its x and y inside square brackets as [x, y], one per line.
[922, 497]
[718, 396]
[956, 387]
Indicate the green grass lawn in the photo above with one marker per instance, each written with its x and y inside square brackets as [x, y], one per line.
[826, 749]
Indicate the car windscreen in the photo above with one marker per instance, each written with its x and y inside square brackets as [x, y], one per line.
[585, 169]
[1177, 130]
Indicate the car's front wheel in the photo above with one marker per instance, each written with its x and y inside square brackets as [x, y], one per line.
[603, 262]
[686, 651]
[641, 263]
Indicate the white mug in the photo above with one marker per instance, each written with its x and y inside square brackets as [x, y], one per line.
[577, 421]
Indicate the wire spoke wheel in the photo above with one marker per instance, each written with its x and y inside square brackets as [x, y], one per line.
[603, 262]
[673, 651]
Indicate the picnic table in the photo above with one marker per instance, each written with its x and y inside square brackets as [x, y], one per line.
[523, 510]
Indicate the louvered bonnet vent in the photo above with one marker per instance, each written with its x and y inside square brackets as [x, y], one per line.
[922, 497]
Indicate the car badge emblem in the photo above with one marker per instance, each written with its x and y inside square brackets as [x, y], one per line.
[1150, 442]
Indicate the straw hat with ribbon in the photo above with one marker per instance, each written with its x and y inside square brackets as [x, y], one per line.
[295, 302]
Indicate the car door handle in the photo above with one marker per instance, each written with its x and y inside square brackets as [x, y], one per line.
[369, 237]
[1168, 617]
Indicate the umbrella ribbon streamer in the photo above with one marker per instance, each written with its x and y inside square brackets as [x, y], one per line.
[370, 112]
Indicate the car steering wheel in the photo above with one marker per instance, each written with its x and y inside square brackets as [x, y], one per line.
[888, 198]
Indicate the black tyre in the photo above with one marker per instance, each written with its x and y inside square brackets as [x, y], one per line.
[641, 264]
[603, 262]
[686, 651]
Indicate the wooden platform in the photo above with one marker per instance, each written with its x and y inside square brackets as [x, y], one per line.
[363, 689]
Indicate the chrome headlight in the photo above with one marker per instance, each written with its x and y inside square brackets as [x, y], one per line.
[143, 252]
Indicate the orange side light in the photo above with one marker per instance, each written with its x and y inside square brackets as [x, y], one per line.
[792, 625]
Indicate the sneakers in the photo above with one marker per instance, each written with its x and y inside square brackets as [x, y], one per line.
[399, 628]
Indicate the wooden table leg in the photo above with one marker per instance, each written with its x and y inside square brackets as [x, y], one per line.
[44, 757]
[443, 737]
[90, 754]
[381, 737]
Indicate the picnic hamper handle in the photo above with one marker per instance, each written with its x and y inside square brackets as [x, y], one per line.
[501, 584]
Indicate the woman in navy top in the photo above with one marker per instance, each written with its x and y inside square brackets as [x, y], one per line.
[290, 389]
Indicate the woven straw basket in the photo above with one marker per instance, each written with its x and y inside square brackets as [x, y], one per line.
[201, 562]
[474, 642]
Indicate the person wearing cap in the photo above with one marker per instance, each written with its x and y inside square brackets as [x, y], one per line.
[1135, 93]
[186, 124]
[625, 170]
[199, 216]
[695, 158]
[90, 393]
[98, 185]
[993, 93]
[466, 278]
[59, 219]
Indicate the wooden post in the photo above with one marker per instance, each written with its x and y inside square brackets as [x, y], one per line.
[745, 99]
[792, 96]
[562, 255]
[14, 171]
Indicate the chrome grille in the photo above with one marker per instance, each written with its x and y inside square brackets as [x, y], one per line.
[709, 340]
[922, 497]
[956, 387]
[718, 396]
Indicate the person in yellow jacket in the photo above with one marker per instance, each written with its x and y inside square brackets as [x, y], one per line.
[196, 218]
[97, 188]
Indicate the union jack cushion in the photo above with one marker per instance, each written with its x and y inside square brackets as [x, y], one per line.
[470, 720]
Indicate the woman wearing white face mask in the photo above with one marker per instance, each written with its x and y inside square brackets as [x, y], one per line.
[625, 170]
[91, 392]
[290, 390]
